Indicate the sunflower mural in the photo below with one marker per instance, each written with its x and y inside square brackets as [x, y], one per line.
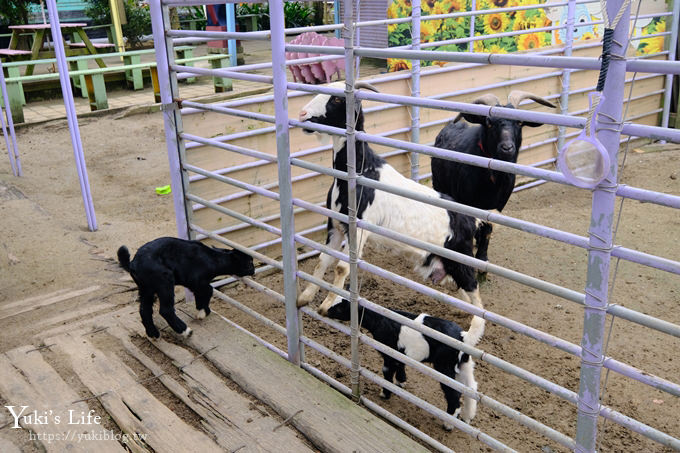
[457, 28]
[654, 44]
[492, 24]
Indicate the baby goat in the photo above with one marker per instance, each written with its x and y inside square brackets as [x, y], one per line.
[161, 264]
[445, 359]
[419, 220]
[496, 138]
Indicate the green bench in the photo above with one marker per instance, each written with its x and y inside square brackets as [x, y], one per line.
[90, 82]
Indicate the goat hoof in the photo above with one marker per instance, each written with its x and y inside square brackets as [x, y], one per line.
[153, 335]
[187, 332]
[448, 427]
[384, 395]
[201, 314]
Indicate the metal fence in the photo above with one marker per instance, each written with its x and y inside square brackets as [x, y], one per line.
[599, 242]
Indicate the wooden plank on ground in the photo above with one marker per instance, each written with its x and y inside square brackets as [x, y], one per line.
[133, 408]
[27, 380]
[15, 308]
[228, 415]
[328, 419]
[70, 315]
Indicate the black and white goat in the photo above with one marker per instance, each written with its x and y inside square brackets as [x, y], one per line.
[496, 138]
[445, 359]
[161, 264]
[419, 220]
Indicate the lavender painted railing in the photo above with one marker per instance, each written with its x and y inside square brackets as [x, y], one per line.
[587, 400]
[10, 138]
[69, 104]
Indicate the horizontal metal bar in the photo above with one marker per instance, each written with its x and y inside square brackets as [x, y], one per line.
[464, 427]
[264, 343]
[222, 73]
[450, 382]
[519, 372]
[212, 35]
[569, 238]
[543, 337]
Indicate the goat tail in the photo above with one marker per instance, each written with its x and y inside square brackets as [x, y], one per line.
[124, 257]
[476, 330]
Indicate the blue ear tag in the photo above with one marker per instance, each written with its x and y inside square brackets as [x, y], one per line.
[584, 161]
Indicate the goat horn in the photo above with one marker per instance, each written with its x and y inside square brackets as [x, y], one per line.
[368, 86]
[517, 96]
[487, 99]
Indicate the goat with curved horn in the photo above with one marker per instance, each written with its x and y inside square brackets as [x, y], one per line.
[517, 96]
[491, 137]
[366, 85]
[487, 99]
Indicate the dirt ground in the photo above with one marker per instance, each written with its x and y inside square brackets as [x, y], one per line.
[46, 247]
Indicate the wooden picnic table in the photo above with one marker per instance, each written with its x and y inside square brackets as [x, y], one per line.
[22, 47]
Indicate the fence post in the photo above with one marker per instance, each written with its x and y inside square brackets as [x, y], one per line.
[165, 55]
[69, 104]
[278, 43]
[671, 56]
[609, 123]
[566, 74]
[415, 88]
[471, 44]
[352, 201]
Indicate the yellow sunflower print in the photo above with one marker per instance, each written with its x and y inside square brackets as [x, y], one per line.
[530, 41]
[495, 23]
[495, 48]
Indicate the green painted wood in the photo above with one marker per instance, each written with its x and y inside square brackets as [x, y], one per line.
[96, 92]
[133, 77]
[185, 57]
[79, 80]
[221, 84]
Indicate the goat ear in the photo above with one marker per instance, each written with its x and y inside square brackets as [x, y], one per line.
[476, 119]
[530, 124]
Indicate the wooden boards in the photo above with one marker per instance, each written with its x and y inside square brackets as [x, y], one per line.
[332, 422]
[136, 411]
[241, 396]
[26, 379]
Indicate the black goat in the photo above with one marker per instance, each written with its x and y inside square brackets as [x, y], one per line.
[419, 220]
[445, 359]
[161, 264]
[496, 138]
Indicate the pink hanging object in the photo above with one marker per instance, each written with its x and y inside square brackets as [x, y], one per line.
[314, 73]
[317, 69]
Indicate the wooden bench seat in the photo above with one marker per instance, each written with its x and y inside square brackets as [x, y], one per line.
[14, 52]
[97, 45]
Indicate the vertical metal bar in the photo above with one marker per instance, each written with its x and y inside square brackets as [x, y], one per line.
[415, 88]
[566, 74]
[179, 181]
[336, 16]
[231, 27]
[285, 184]
[352, 201]
[471, 44]
[675, 24]
[12, 148]
[600, 241]
[69, 104]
